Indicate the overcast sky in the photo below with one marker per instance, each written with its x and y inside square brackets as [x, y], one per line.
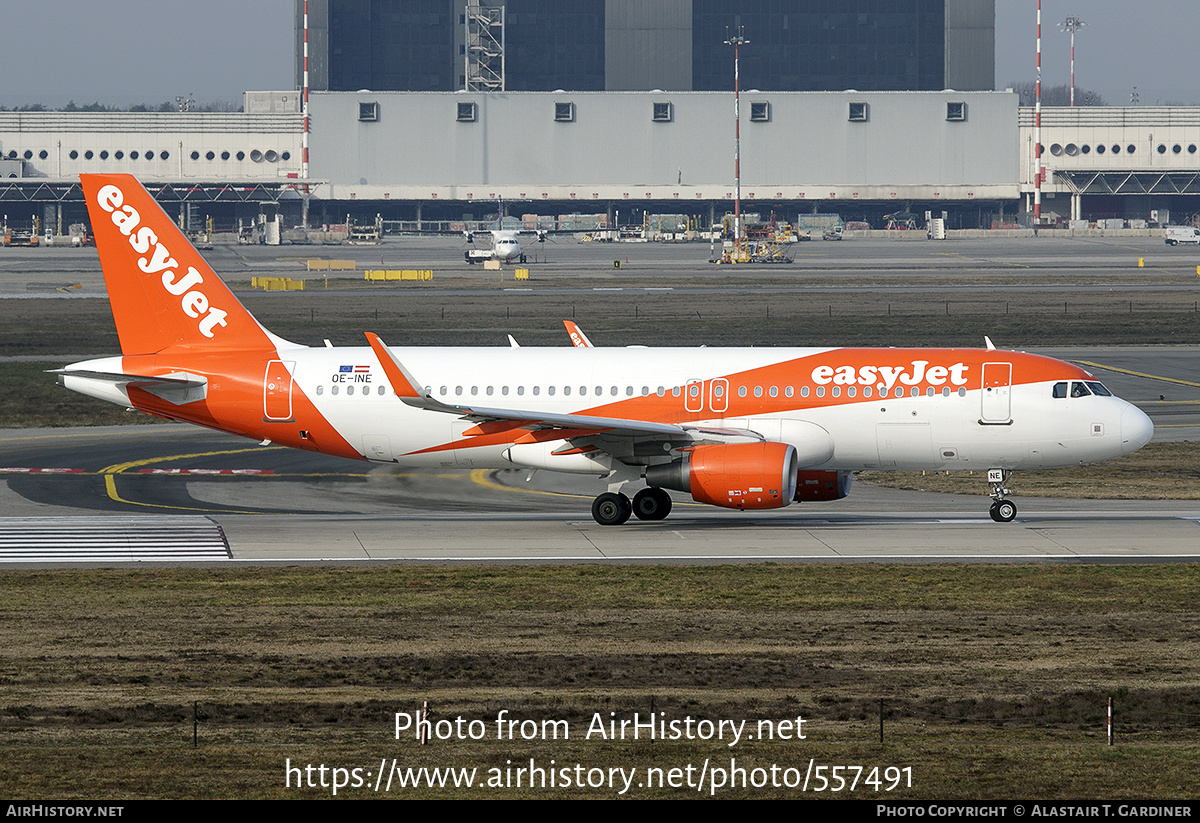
[125, 52]
[147, 51]
[1150, 44]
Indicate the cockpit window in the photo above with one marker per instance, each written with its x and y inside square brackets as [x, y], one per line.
[1079, 390]
[1060, 390]
[1099, 389]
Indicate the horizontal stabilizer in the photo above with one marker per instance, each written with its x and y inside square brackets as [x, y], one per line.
[176, 389]
[136, 380]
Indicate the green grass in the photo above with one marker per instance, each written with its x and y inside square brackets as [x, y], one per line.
[994, 679]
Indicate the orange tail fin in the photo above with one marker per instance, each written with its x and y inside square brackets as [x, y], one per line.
[163, 293]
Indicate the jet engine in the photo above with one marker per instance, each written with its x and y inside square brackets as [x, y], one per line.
[823, 485]
[735, 475]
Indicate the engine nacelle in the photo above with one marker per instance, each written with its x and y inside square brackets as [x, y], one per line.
[735, 475]
[823, 485]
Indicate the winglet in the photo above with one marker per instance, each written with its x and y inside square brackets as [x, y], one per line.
[403, 383]
[578, 338]
[988, 342]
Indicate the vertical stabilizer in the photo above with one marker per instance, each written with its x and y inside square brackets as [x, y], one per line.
[163, 293]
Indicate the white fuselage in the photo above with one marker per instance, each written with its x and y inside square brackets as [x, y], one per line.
[505, 246]
[942, 427]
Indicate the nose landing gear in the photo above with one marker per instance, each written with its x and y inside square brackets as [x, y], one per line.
[1003, 510]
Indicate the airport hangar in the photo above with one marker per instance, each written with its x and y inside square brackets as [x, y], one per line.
[438, 156]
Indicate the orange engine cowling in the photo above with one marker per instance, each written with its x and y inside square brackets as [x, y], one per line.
[823, 485]
[736, 476]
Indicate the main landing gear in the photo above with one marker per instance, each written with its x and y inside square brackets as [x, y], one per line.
[1003, 510]
[614, 508]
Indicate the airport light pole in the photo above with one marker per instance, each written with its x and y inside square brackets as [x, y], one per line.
[737, 41]
[1072, 25]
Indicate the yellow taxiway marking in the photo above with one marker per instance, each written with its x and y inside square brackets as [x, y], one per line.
[1138, 373]
[482, 477]
[117, 468]
[110, 486]
[133, 429]
[110, 472]
[110, 482]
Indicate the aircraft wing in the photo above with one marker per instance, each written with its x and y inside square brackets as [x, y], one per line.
[492, 420]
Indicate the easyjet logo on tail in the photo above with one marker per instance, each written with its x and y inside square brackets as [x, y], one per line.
[157, 258]
[888, 376]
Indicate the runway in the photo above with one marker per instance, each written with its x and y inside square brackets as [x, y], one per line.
[279, 506]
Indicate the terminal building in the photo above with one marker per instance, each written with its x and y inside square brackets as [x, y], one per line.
[870, 133]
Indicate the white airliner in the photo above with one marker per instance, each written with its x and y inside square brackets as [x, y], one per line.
[505, 246]
[756, 428]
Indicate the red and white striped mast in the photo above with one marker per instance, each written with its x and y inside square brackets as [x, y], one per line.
[1037, 124]
[737, 41]
[304, 114]
[1072, 24]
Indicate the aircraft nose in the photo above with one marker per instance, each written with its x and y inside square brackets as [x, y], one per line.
[1136, 429]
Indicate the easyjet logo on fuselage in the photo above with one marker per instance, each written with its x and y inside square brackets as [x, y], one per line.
[193, 302]
[887, 376]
